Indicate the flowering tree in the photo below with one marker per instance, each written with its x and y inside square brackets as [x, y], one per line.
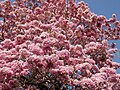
[56, 45]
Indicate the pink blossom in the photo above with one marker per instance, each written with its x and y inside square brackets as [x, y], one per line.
[74, 61]
[63, 54]
[108, 71]
[24, 53]
[44, 35]
[9, 44]
[35, 49]
[114, 78]
[66, 69]
[75, 82]
[84, 65]
[91, 61]
[24, 72]
[19, 39]
[6, 72]
[51, 44]
[112, 50]
[87, 83]
[50, 41]
[59, 63]
[54, 71]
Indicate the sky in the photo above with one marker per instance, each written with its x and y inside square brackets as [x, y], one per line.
[106, 8]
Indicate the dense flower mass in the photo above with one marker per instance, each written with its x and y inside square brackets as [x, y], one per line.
[56, 45]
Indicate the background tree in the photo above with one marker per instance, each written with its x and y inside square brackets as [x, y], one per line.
[56, 45]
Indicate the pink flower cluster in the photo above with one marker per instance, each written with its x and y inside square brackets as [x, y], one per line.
[54, 44]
